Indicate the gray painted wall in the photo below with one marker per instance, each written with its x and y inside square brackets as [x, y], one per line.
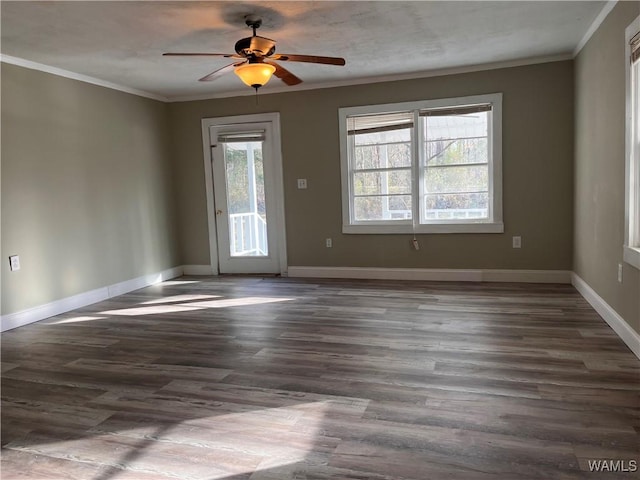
[600, 165]
[537, 158]
[87, 197]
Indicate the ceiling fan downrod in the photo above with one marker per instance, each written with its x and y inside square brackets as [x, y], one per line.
[253, 21]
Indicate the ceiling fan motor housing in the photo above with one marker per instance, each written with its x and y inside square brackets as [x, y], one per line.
[259, 46]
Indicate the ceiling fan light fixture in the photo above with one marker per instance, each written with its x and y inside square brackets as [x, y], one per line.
[255, 75]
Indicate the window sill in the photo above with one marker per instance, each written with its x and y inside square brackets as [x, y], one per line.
[406, 229]
[632, 256]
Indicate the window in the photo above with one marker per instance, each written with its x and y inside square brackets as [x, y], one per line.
[423, 167]
[455, 171]
[632, 204]
[380, 177]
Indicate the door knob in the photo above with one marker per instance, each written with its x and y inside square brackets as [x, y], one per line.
[218, 212]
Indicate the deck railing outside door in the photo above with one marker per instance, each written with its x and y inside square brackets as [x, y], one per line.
[248, 234]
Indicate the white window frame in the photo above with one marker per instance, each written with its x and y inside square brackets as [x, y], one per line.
[631, 249]
[493, 224]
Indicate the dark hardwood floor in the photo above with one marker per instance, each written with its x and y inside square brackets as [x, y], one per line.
[237, 378]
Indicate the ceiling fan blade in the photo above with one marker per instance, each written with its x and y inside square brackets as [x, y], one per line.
[221, 71]
[193, 54]
[285, 75]
[285, 57]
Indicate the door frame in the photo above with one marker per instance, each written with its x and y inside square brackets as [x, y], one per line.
[278, 215]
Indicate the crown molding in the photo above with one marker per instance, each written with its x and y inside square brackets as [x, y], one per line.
[606, 9]
[344, 83]
[21, 62]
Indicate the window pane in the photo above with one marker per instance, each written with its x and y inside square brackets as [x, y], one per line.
[246, 199]
[456, 177]
[383, 156]
[449, 127]
[399, 154]
[462, 179]
[377, 183]
[368, 157]
[465, 150]
[456, 206]
[397, 207]
[452, 139]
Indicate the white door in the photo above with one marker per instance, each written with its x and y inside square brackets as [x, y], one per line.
[245, 197]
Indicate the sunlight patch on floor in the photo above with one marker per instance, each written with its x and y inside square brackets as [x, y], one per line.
[239, 302]
[76, 320]
[152, 310]
[211, 448]
[185, 307]
[180, 298]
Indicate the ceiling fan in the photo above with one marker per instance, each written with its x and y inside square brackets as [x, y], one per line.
[258, 55]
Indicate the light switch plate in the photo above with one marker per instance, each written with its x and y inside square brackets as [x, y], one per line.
[14, 263]
[620, 273]
[302, 183]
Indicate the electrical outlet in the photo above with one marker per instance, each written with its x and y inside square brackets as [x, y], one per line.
[302, 183]
[517, 242]
[14, 263]
[619, 273]
[329, 243]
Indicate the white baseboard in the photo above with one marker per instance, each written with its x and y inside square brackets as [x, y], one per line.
[137, 283]
[198, 270]
[434, 274]
[627, 334]
[24, 317]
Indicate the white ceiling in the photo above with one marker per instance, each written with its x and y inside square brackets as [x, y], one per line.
[122, 42]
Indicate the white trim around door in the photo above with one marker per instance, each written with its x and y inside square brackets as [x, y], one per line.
[278, 215]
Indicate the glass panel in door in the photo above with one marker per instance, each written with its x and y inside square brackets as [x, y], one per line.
[246, 204]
